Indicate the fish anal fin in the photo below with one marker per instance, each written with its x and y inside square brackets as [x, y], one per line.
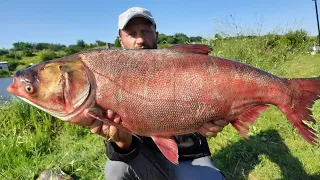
[241, 128]
[248, 116]
[168, 147]
[192, 48]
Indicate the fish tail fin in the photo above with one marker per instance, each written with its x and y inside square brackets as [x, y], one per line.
[307, 91]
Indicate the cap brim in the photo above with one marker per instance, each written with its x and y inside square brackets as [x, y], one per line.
[137, 15]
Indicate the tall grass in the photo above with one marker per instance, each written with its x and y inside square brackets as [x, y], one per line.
[275, 150]
[32, 140]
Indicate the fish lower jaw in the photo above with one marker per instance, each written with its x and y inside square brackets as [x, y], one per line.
[63, 117]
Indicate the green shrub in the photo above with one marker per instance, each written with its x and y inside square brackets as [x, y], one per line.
[49, 55]
[3, 52]
[72, 49]
[12, 64]
[296, 38]
[4, 73]
[14, 55]
[28, 53]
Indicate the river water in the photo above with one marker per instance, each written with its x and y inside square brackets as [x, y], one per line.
[4, 83]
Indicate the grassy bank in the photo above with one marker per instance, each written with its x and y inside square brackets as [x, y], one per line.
[275, 150]
[32, 140]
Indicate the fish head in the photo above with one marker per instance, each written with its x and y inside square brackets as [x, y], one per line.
[58, 87]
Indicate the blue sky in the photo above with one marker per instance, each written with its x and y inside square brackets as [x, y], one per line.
[66, 21]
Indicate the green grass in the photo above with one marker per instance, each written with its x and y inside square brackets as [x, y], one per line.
[275, 150]
[32, 140]
[27, 61]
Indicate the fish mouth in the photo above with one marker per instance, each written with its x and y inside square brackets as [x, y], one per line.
[13, 89]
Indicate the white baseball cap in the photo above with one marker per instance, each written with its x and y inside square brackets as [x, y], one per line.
[125, 17]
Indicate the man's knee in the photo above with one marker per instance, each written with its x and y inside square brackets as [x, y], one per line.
[115, 170]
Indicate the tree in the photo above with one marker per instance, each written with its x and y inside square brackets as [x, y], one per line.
[19, 46]
[72, 49]
[180, 38]
[170, 40]
[3, 52]
[165, 39]
[217, 36]
[12, 64]
[49, 55]
[117, 42]
[100, 43]
[162, 38]
[195, 39]
[56, 47]
[28, 53]
[41, 46]
[81, 44]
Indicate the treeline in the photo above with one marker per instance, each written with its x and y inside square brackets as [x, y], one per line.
[46, 51]
[51, 51]
[293, 40]
[28, 48]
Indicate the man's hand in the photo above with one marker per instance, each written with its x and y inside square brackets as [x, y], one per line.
[121, 138]
[212, 128]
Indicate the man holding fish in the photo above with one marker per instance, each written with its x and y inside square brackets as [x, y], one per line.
[130, 159]
[172, 95]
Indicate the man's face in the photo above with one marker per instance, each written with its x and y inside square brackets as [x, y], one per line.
[139, 33]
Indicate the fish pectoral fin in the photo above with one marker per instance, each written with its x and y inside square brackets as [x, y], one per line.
[248, 116]
[168, 147]
[93, 113]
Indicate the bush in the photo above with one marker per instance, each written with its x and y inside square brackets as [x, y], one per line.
[14, 55]
[271, 40]
[27, 53]
[12, 64]
[72, 49]
[163, 46]
[4, 73]
[296, 38]
[3, 52]
[49, 55]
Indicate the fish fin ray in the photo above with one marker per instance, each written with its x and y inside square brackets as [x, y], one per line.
[192, 48]
[251, 114]
[168, 147]
[94, 115]
[248, 116]
[241, 128]
[308, 91]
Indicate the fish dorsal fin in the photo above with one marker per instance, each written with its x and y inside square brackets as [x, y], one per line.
[192, 48]
[168, 147]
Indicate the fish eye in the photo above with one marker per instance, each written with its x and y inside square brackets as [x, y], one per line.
[29, 89]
